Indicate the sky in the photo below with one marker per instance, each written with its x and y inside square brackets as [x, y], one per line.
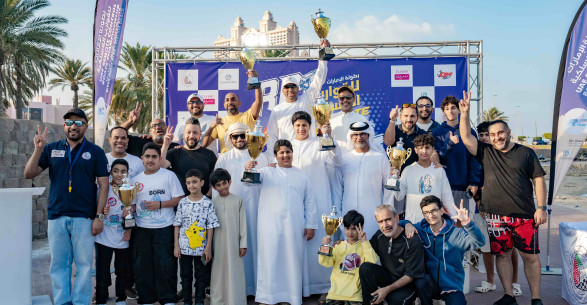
[522, 40]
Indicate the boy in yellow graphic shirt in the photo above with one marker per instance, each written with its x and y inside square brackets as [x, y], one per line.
[346, 259]
[194, 223]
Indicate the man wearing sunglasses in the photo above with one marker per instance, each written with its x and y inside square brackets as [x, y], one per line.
[280, 126]
[195, 105]
[425, 108]
[234, 161]
[157, 130]
[75, 213]
[232, 104]
[341, 121]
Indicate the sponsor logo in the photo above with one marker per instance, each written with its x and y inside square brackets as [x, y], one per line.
[574, 122]
[141, 187]
[566, 153]
[402, 76]
[578, 275]
[57, 153]
[405, 76]
[228, 79]
[210, 99]
[112, 201]
[187, 80]
[444, 75]
[86, 155]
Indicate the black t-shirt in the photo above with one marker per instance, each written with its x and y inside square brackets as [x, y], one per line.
[507, 188]
[405, 258]
[135, 145]
[182, 160]
[408, 140]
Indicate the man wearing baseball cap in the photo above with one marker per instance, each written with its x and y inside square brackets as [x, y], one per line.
[195, 105]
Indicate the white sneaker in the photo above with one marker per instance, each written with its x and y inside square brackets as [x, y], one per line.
[121, 303]
[485, 287]
[517, 289]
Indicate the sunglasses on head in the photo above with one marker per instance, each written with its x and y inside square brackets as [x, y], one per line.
[77, 123]
[290, 86]
[409, 106]
[236, 136]
[342, 98]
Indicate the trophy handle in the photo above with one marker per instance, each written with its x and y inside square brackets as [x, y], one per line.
[389, 149]
[323, 219]
[409, 150]
[329, 23]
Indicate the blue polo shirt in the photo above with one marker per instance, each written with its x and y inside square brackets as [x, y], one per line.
[91, 163]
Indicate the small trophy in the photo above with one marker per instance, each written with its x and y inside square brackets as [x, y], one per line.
[248, 58]
[256, 140]
[322, 112]
[397, 156]
[127, 193]
[331, 223]
[321, 25]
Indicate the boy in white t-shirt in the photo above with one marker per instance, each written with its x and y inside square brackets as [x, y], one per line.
[422, 179]
[113, 241]
[155, 267]
[194, 223]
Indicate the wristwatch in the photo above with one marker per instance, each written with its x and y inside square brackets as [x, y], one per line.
[100, 216]
[542, 207]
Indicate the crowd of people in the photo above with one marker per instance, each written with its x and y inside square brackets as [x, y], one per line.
[238, 239]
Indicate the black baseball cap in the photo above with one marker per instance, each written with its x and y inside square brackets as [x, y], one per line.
[77, 112]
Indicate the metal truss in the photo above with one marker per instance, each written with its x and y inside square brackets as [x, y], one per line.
[471, 49]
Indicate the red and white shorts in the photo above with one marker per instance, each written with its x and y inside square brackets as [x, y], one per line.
[507, 232]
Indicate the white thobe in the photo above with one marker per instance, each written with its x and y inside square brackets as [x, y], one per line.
[363, 177]
[340, 122]
[286, 208]
[234, 162]
[280, 125]
[308, 157]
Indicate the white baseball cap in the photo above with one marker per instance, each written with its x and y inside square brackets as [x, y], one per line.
[290, 80]
[195, 95]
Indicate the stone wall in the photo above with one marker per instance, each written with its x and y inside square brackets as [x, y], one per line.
[16, 147]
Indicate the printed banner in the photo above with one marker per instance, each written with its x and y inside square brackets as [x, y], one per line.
[569, 128]
[109, 23]
[379, 84]
[573, 240]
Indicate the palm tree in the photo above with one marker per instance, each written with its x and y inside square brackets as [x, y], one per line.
[72, 73]
[29, 44]
[494, 114]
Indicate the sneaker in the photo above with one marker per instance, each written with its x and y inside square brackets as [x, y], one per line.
[180, 294]
[536, 302]
[485, 287]
[131, 293]
[506, 300]
[94, 299]
[517, 289]
[121, 303]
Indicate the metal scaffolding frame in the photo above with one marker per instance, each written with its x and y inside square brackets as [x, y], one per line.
[471, 49]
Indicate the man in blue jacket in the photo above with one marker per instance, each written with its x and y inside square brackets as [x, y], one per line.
[444, 245]
[462, 169]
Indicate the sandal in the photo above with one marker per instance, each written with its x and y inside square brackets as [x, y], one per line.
[485, 287]
[517, 289]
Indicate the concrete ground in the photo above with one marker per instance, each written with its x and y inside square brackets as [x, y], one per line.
[550, 287]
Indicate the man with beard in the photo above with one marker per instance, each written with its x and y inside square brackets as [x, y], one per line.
[363, 172]
[75, 213]
[191, 155]
[195, 105]
[402, 262]
[407, 130]
[280, 126]
[425, 121]
[510, 171]
[119, 142]
[232, 104]
[234, 161]
[341, 121]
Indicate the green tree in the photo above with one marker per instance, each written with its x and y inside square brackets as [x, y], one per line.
[29, 44]
[547, 135]
[274, 53]
[494, 114]
[72, 73]
[521, 138]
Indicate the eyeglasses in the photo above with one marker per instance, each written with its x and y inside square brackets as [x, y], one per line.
[409, 106]
[159, 125]
[425, 106]
[342, 98]
[236, 136]
[362, 135]
[77, 123]
[195, 102]
[432, 212]
[290, 86]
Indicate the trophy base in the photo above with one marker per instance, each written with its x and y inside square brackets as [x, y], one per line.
[326, 143]
[253, 83]
[392, 184]
[251, 177]
[325, 250]
[326, 53]
[129, 224]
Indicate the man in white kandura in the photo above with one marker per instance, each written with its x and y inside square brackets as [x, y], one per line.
[287, 219]
[342, 120]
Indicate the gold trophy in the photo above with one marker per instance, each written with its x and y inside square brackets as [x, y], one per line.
[127, 193]
[322, 112]
[321, 25]
[248, 59]
[256, 140]
[331, 224]
[397, 156]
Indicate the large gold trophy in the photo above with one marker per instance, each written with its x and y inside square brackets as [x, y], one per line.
[248, 59]
[256, 140]
[321, 25]
[331, 224]
[322, 112]
[127, 193]
[397, 156]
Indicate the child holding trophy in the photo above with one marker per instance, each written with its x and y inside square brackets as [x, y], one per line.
[346, 259]
[113, 241]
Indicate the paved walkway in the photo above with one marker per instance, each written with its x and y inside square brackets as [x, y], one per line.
[551, 284]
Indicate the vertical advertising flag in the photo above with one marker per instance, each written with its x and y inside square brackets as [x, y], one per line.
[109, 21]
[569, 128]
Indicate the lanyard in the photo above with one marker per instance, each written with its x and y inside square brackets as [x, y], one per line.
[74, 160]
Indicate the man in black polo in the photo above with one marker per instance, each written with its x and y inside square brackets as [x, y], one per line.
[75, 213]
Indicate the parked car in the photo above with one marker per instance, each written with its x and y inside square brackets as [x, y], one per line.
[539, 142]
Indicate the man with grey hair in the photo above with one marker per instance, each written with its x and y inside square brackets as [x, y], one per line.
[402, 262]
